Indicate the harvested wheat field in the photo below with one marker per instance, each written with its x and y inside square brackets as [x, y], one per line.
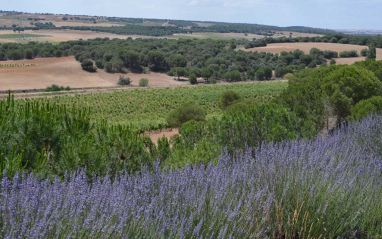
[306, 46]
[249, 36]
[66, 71]
[65, 35]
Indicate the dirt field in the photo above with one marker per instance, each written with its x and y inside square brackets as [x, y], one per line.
[157, 135]
[66, 35]
[215, 35]
[306, 46]
[56, 20]
[66, 71]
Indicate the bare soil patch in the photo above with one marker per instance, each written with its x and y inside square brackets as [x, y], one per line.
[155, 136]
[67, 35]
[306, 46]
[66, 71]
[248, 36]
[56, 20]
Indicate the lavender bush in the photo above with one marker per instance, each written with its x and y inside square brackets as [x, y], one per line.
[325, 188]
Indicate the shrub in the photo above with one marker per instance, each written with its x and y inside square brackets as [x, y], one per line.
[227, 98]
[346, 54]
[193, 80]
[364, 52]
[143, 82]
[124, 81]
[56, 88]
[333, 62]
[213, 81]
[88, 65]
[366, 107]
[288, 76]
[185, 113]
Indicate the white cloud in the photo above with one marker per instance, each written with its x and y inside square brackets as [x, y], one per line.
[194, 3]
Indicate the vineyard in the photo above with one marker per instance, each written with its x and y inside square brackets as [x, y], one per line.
[17, 65]
[16, 36]
[147, 109]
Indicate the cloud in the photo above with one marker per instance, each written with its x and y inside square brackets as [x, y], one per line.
[194, 3]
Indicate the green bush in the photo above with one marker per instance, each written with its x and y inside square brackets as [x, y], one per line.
[348, 85]
[227, 98]
[193, 80]
[185, 113]
[267, 122]
[346, 54]
[124, 81]
[371, 65]
[56, 88]
[366, 107]
[143, 82]
[88, 65]
[213, 81]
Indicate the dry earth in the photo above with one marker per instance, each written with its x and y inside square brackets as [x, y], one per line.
[55, 19]
[66, 35]
[66, 71]
[242, 35]
[157, 135]
[306, 46]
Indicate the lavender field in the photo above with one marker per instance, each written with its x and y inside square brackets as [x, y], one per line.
[325, 188]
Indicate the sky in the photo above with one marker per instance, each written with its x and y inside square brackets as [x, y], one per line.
[331, 14]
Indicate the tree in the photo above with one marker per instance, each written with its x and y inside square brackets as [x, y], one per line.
[206, 73]
[268, 73]
[193, 80]
[124, 81]
[156, 60]
[88, 65]
[372, 52]
[178, 61]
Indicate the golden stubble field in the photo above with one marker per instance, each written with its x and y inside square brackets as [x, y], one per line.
[64, 35]
[306, 46]
[66, 71]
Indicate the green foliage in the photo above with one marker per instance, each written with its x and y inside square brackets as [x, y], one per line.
[56, 88]
[372, 52]
[240, 106]
[267, 122]
[124, 80]
[227, 98]
[213, 81]
[352, 53]
[366, 107]
[364, 52]
[185, 113]
[233, 76]
[193, 80]
[53, 138]
[333, 62]
[371, 65]
[192, 131]
[164, 149]
[147, 109]
[88, 65]
[143, 82]
[347, 86]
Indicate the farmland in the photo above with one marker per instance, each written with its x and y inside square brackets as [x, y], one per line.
[127, 127]
[43, 72]
[306, 46]
[147, 109]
